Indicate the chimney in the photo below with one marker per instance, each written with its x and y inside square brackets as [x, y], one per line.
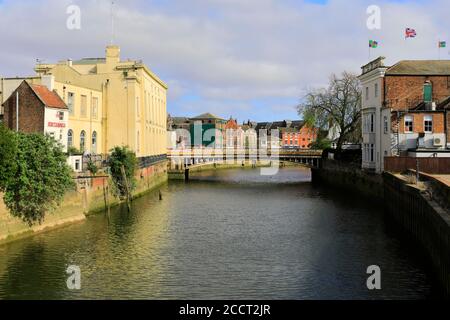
[112, 54]
[48, 80]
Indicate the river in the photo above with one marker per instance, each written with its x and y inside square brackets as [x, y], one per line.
[230, 234]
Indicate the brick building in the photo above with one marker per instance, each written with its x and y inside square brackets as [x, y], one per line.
[39, 110]
[403, 110]
[233, 135]
[298, 136]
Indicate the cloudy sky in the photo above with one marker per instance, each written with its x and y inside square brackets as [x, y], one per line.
[252, 59]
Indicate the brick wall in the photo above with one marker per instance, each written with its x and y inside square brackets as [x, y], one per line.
[418, 125]
[407, 91]
[31, 111]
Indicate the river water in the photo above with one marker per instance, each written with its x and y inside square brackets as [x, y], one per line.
[230, 234]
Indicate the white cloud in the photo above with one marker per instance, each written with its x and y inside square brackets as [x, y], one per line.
[224, 50]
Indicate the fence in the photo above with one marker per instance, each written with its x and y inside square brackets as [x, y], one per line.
[428, 165]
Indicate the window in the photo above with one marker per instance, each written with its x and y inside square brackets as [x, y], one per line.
[95, 108]
[372, 124]
[376, 90]
[408, 124]
[83, 110]
[386, 124]
[77, 165]
[94, 142]
[82, 141]
[52, 135]
[71, 103]
[367, 93]
[70, 138]
[428, 124]
[60, 115]
[371, 153]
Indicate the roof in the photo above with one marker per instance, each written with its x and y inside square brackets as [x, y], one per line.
[207, 115]
[49, 98]
[420, 67]
[89, 61]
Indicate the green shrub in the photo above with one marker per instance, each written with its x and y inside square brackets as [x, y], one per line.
[122, 156]
[41, 177]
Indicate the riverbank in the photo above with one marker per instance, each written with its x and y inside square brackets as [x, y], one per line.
[415, 209]
[92, 196]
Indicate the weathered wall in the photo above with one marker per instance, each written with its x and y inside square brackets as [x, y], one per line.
[89, 198]
[414, 210]
[424, 219]
[352, 178]
[12, 228]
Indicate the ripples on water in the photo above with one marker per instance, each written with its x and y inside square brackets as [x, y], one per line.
[230, 234]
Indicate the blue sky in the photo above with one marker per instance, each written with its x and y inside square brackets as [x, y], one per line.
[251, 59]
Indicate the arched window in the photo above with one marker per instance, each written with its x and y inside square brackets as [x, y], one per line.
[70, 138]
[82, 141]
[94, 142]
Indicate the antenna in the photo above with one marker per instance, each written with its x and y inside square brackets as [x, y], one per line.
[112, 22]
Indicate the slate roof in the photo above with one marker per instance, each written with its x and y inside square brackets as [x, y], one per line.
[420, 67]
[207, 115]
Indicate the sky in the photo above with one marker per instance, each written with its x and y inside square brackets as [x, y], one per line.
[249, 59]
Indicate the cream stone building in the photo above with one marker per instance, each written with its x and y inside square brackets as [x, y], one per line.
[123, 102]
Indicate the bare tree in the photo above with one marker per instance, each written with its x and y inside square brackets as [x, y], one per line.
[337, 107]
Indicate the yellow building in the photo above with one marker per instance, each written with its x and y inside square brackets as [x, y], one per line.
[85, 129]
[123, 102]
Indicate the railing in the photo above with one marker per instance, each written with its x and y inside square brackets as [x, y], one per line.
[240, 152]
[427, 165]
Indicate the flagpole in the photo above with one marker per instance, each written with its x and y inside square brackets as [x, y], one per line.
[439, 49]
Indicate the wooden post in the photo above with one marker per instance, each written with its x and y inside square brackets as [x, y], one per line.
[127, 187]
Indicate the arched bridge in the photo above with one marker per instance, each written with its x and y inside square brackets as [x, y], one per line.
[182, 161]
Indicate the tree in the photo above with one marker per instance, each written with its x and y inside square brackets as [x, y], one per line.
[8, 151]
[41, 177]
[122, 157]
[337, 107]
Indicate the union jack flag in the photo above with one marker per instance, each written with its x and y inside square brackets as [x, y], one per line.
[410, 33]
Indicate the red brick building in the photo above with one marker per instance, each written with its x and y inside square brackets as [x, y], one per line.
[298, 136]
[40, 110]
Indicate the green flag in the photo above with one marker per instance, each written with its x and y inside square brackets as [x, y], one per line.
[373, 44]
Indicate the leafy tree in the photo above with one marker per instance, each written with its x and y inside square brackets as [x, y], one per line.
[92, 167]
[321, 144]
[41, 178]
[123, 157]
[336, 107]
[72, 150]
[8, 151]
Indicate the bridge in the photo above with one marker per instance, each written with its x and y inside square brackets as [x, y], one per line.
[183, 161]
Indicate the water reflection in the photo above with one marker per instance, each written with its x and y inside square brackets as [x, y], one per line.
[227, 234]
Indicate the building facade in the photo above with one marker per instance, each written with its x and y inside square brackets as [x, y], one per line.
[125, 97]
[402, 112]
[34, 108]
